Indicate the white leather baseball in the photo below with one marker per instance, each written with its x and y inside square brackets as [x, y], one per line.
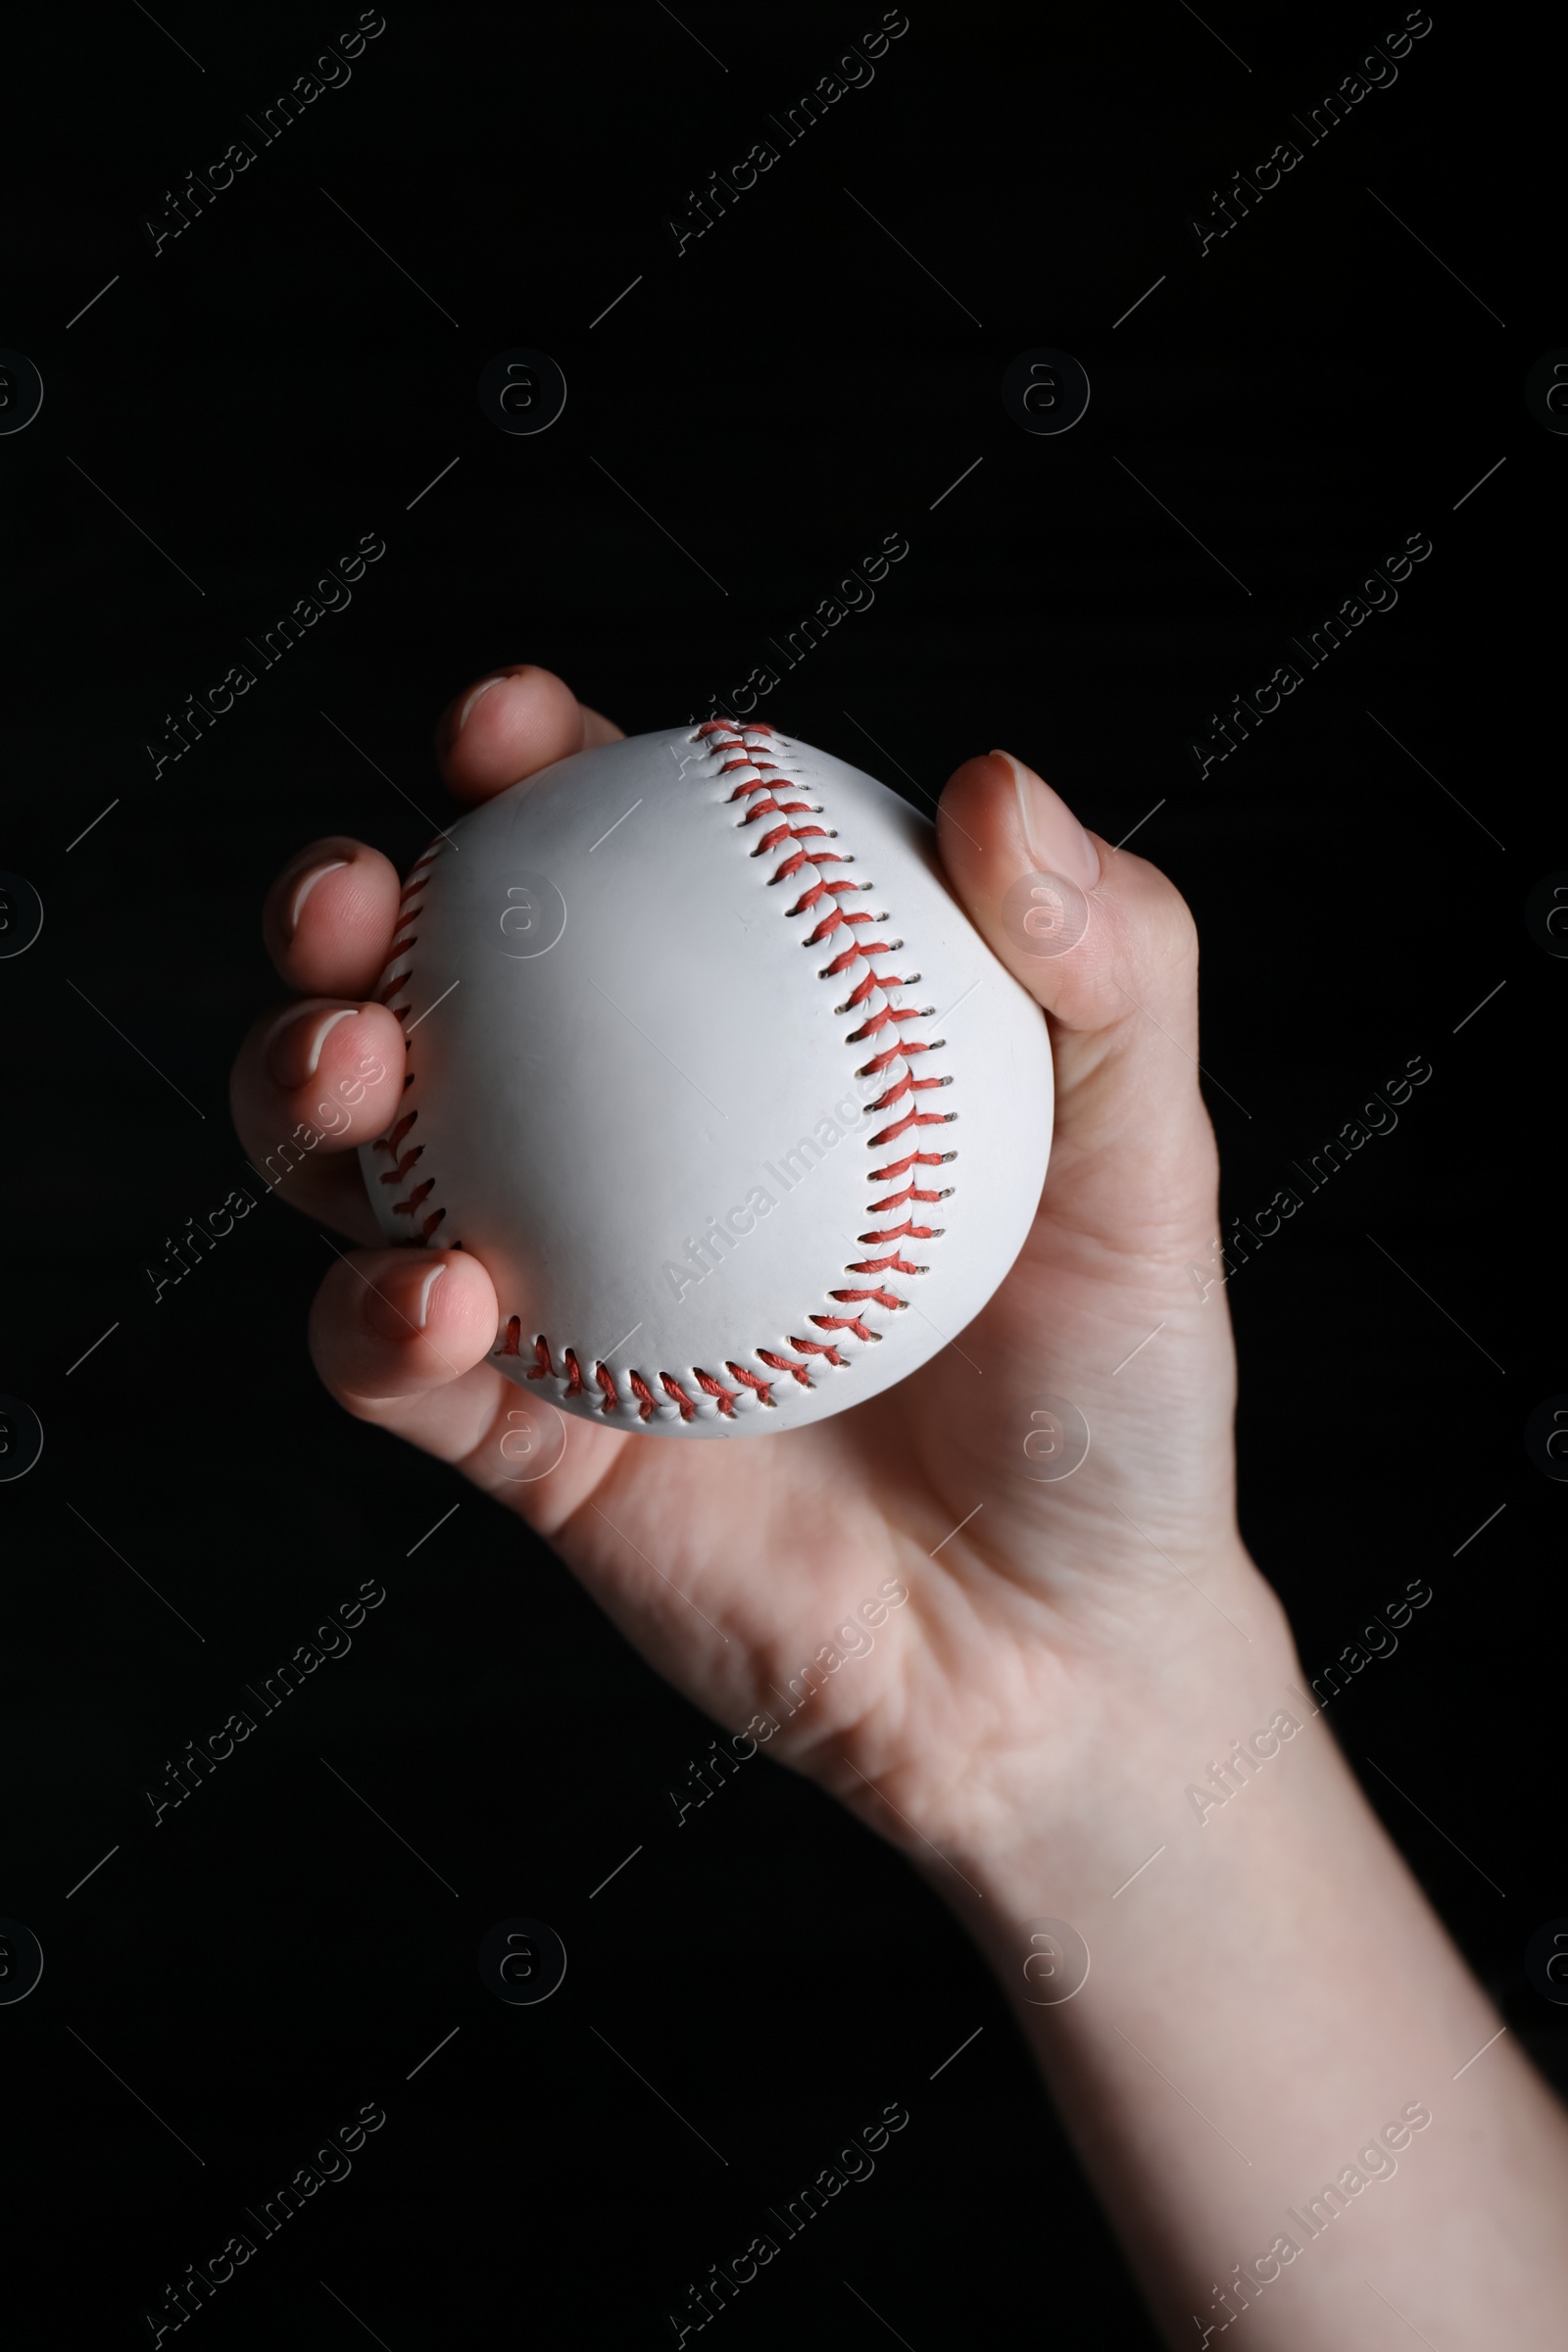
[712, 1072]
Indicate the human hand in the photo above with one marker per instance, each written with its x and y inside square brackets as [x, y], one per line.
[1045, 1622]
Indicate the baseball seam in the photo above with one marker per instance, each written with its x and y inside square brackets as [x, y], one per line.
[734, 751]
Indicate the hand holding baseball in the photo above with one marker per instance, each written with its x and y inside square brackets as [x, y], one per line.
[733, 1566]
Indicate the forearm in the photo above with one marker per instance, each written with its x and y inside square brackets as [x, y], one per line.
[1270, 1997]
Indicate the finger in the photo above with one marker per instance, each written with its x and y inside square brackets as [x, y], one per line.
[309, 1084]
[509, 725]
[399, 1338]
[328, 918]
[1106, 942]
[1072, 918]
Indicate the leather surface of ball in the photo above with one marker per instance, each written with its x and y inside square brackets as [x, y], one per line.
[711, 1070]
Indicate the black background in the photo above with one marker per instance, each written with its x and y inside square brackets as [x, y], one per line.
[787, 391]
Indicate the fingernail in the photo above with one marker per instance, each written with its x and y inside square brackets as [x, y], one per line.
[303, 889]
[483, 688]
[1053, 835]
[399, 1305]
[293, 1046]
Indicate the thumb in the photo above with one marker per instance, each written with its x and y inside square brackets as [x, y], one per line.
[1106, 945]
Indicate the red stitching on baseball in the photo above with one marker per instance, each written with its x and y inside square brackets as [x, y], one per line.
[916, 1118]
[895, 1094]
[824, 889]
[873, 980]
[820, 1348]
[716, 1388]
[835, 922]
[910, 1191]
[390, 1141]
[916, 1159]
[770, 841]
[762, 1390]
[759, 782]
[422, 1228]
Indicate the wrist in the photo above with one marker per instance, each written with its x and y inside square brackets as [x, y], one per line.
[1178, 1831]
[1204, 1698]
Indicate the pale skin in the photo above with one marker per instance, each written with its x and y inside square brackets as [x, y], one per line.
[1271, 1992]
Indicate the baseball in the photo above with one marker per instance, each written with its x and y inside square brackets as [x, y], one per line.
[709, 1069]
